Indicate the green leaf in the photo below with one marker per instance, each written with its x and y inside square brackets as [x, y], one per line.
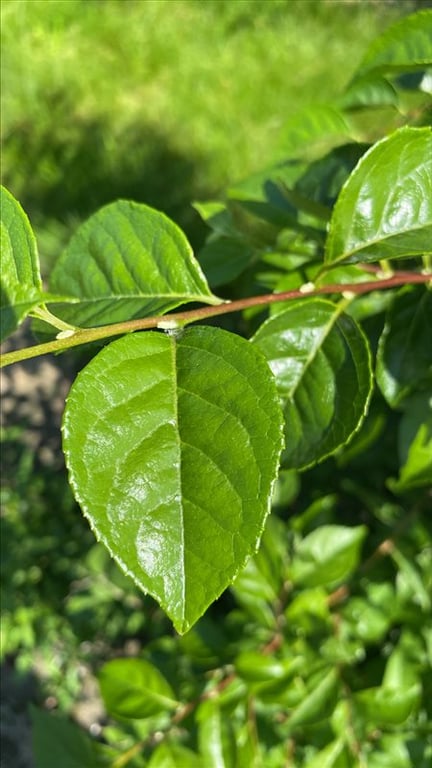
[404, 359]
[327, 757]
[406, 46]
[215, 737]
[371, 90]
[321, 362]
[21, 284]
[384, 210]
[314, 123]
[386, 706]
[415, 445]
[318, 703]
[327, 556]
[126, 261]
[224, 258]
[59, 742]
[172, 444]
[174, 756]
[134, 688]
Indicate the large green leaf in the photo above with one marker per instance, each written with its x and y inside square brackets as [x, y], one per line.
[134, 688]
[403, 47]
[404, 359]
[126, 261]
[384, 210]
[321, 362]
[21, 285]
[173, 444]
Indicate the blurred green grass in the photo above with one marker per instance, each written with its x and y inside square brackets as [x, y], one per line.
[162, 101]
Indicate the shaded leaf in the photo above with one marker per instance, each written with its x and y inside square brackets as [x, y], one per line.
[415, 445]
[59, 742]
[126, 261]
[172, 444]
[321, 362]
[384, 210]
[223, 259]
[404, 359]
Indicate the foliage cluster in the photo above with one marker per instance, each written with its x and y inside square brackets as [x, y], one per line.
[178, 441]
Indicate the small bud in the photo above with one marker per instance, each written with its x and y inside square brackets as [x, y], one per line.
[307, 288]
[65, 334]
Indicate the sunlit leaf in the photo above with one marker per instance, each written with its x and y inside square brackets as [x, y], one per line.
[173, 446]
[21, 284]
[126, 261]
[321, 362]
[384, 210]
[405, 46]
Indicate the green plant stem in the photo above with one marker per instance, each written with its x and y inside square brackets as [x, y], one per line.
[87, 335]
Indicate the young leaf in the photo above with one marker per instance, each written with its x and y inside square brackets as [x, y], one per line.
[369, 91]
[384, 210]
[126, 261]
[404, 359]
[327, 556]
[21, 284]
[404, 47]
[134, 688]
[321, 362]
[318, 703]
[173, 445]
[318, 122]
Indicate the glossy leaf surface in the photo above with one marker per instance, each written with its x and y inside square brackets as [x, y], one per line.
[321, 362]
[21, 285]
[215, 736]
[384, 210]
[173, 445]
[126, 261]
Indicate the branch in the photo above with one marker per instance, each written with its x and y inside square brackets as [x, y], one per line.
[178, 319]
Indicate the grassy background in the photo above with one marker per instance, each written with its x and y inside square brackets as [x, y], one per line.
[162, 101]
